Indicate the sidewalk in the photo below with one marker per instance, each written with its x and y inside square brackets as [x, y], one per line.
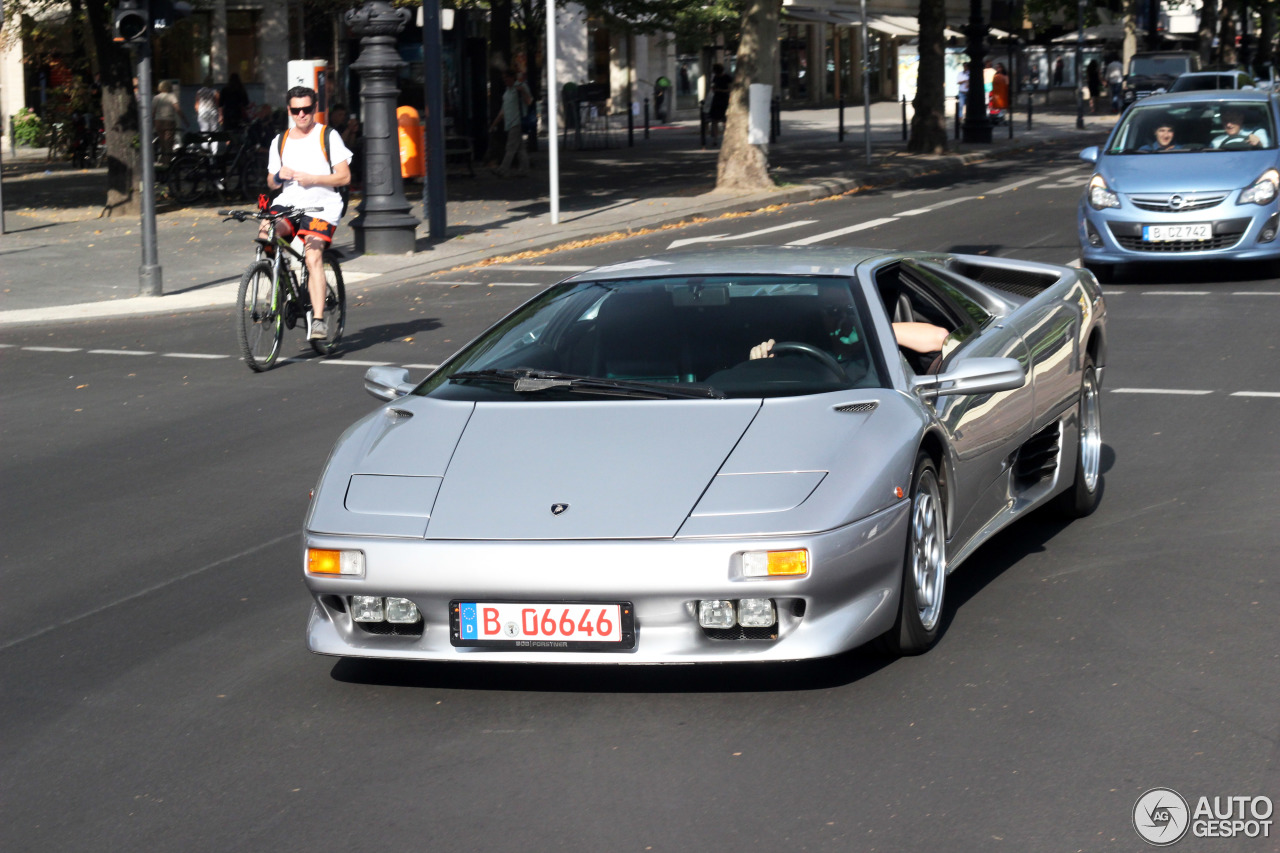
[58, 261]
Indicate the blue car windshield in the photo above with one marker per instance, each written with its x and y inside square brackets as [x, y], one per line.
[1217, 125]
[668, 337]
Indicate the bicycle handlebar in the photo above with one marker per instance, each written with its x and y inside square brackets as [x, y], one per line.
[283, 212]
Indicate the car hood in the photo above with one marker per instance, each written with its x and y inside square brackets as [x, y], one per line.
[419, 467]
[1184, 172]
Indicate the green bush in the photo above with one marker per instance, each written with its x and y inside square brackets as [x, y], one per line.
[29, 128]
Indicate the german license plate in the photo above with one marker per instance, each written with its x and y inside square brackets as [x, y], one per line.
[548, 626]
[1171, 233]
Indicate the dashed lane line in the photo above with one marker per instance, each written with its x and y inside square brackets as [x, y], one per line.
[354, 363]
[51, 349]
[1255, 394]
[722, 238]
[840, 232]
[938, 206]
[493, 283]
[192, 355]
[1015, 185]
[543, 268]
[1178, 391]
[120, 352]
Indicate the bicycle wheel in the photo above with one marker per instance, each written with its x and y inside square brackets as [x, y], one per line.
[258, 325]
[335, 306]
[187, 178]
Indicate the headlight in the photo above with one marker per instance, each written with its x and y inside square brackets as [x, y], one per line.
[1263, 190]
[1100, 197]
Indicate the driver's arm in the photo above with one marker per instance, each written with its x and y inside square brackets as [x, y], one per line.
[920, 337]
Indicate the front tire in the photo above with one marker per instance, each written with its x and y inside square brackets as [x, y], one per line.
[335, 307]
[924, 571]
[1082, 498]
[186, 179]
[258, 325]
[1104, 273]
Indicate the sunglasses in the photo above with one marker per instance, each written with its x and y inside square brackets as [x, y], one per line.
[298, 111]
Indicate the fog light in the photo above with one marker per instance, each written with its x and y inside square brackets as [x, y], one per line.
[760, 564]
[755, 612]
[716, 614]
[1269, 230]
[1091, 233]
[402, 610]
[366, 608]
[325, 562]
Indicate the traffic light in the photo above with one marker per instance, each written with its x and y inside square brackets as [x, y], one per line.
[132, 21]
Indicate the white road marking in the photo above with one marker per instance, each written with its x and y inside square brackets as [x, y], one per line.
[1175, 293]
[1159, 391]
[1014, 186]
[1256, 293]
[492, 283]
[542, 268]
[1063, 171]
[52, 349]
[861, 226]
[192, 355]
[934, 207]
[1256, 394]
[119, 352]
[6, 346]
[349, 277]
[723, 238]
[352, 363]
[420, 366]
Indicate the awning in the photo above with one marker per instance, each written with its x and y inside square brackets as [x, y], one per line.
[1102, 32]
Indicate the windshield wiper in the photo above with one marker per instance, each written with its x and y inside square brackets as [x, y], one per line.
[524, 380]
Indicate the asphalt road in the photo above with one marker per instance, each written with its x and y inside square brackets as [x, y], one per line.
[157, 694]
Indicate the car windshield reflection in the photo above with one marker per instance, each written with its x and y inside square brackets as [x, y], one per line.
[690, 335]
[1193, 126]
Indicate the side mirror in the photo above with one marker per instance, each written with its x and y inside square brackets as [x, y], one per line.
[972, 376]
[1090, 155]
[387, 383]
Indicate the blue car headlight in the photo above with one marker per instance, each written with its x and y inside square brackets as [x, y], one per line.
[1263, 190]
[1100, 195]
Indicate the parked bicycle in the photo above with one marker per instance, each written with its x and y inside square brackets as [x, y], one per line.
[215, 165]
[272, 299]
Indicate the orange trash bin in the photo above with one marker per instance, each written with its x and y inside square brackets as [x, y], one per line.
[413, 157]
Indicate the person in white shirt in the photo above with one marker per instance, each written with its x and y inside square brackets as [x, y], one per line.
[308, 163]
[962, 89]
[516, 99]
[1236, 136]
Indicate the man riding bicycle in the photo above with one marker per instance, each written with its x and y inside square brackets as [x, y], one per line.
[309, 162]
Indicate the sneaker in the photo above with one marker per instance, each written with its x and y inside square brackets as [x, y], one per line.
[319, 330]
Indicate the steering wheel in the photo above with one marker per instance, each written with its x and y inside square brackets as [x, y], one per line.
[827, 359]
[1235, 142]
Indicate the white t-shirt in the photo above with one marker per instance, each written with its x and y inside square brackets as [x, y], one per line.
[306, 155]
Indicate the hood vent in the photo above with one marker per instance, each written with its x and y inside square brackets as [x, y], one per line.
[858, 408]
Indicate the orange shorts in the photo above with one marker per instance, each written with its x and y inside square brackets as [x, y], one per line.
[307, 226]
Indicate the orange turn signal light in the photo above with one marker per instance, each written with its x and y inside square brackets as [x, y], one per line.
[321, 561]
[759, 564]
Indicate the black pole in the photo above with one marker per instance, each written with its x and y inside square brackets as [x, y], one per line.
[977, 123]
[1029, 102]
[646, 118]
[150, 278]
[841, 137]
[2, 231]
[958, 109]
[1080, 61]
[702, 122]
[904, 118]
[631, 124]
[775, 126]
[433, 186]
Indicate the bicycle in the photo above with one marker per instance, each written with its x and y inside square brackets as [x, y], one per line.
[271, 298]
[214, 165]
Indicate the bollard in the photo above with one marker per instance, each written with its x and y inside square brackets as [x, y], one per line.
[957, 117]
[904, 118]
[1029, 110]
[702, 121]
[1013, 99]
[631, 124]
[646, 118]
[841, 111]
[775, 126]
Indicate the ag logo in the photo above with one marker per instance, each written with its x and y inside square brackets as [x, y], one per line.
[1161, 816]
[559, 509]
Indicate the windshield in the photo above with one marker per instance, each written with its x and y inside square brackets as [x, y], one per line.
[1153, 66]
[1197, 82]
[673, 337]
[1217, 125]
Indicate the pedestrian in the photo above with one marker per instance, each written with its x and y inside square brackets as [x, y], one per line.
[515, 100]
[1000, 89]
[207, 119]
[233, 102]
[962, 90]
[166, 118]
[721, 83]
[308, 163]
[1115, 80]
[1093, 79]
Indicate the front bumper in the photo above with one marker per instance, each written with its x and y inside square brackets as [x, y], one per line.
[850, 595]
[1114, 236]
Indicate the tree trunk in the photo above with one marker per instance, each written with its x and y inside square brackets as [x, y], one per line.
[1208, 23]
[743, 166]
[929, 123]
[119, 113]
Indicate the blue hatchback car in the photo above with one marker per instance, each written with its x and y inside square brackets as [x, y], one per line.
[1185, 176]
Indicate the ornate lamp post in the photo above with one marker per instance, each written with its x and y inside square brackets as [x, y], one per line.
[383, 224]
[977, 124]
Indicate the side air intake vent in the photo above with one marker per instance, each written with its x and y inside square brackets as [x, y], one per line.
[1024, 283]
[858, 408]
[1038, 458]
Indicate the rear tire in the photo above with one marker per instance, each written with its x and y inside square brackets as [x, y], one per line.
[1104, 273]
[335, 307]
[1082, 497]
[924, 571]
[186, 179]
[257, 325]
